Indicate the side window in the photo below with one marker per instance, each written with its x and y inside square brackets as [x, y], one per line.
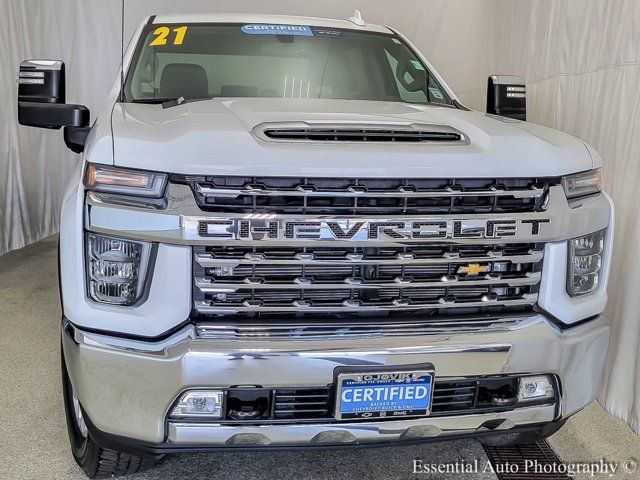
[415, 84]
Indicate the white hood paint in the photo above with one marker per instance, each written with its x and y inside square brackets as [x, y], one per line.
[213, 138]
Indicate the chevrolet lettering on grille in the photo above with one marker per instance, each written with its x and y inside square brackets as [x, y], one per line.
[265, 229]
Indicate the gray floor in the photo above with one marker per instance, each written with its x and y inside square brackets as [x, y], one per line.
[33, 441]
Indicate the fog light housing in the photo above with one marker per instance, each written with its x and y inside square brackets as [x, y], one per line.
[535, 388]
[199, 403]
[116, 269]
[584, 263]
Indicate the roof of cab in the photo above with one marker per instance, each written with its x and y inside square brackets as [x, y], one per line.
[268, 19]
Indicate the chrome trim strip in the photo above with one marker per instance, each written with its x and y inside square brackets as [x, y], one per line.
[256, 190]
[206, 284]
[398, 304]
[208, 260]
[205, 332]
[326, 330]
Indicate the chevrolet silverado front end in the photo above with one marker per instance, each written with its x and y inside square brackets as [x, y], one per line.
[288, 232]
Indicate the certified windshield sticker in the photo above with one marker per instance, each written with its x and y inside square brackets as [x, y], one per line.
[327, 32]
[264, 29]
[437, 94]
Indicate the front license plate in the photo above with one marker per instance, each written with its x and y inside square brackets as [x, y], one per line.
[384, 394]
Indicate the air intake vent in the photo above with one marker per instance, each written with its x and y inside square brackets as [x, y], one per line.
[361, 133]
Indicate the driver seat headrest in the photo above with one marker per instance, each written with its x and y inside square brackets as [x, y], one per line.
[184, 80]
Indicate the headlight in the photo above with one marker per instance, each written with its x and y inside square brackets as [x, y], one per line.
[123, 181]
[581, 184]
[584, 262]
[116, 269]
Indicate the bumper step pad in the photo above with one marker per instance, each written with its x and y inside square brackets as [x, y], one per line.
[516, 456]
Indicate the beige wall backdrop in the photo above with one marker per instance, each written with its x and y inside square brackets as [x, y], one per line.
[580, 58]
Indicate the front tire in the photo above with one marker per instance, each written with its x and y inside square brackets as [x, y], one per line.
[95, 461]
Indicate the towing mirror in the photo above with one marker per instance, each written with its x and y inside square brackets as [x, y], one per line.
[41, 102]
[507, 96]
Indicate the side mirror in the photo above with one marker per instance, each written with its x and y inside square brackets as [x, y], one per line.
[41, 102]
[507, 96]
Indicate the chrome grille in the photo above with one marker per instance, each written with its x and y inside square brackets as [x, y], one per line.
[451, 396]
[374, 281]
[301, 403]
[354, 196]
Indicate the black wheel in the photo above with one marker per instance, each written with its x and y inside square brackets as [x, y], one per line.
[95, 461]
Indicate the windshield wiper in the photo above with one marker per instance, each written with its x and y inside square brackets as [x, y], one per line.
[152, 101]
[168, 102]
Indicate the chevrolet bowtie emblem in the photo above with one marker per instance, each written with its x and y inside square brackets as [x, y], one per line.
[473, 269]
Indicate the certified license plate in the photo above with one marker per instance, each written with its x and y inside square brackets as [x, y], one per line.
[384, 394]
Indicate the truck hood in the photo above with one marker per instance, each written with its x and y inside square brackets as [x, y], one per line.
[214, 137]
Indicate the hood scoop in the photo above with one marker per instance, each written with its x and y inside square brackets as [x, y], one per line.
[357, 133]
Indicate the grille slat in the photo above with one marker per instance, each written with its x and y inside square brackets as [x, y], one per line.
[207, 285]
[220, 308]
[353, 196]
[351, 192]
[235, 258]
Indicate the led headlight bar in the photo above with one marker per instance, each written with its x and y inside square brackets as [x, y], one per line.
[124, 181]
[584, 262]
[116, 269]
[581, 184]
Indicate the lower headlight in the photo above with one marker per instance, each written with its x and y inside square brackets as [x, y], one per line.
[199, 403]
[116, 269]
[584, 262]
[535, 388]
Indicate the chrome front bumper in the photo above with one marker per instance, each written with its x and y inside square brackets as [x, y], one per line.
[126, 387]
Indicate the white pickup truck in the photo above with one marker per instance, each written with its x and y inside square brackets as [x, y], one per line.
[288, 232]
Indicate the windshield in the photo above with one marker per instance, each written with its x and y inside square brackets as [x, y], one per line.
[277, 61]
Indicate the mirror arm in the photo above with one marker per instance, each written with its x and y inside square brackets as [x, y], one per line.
[53, 115]
[75, 138]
